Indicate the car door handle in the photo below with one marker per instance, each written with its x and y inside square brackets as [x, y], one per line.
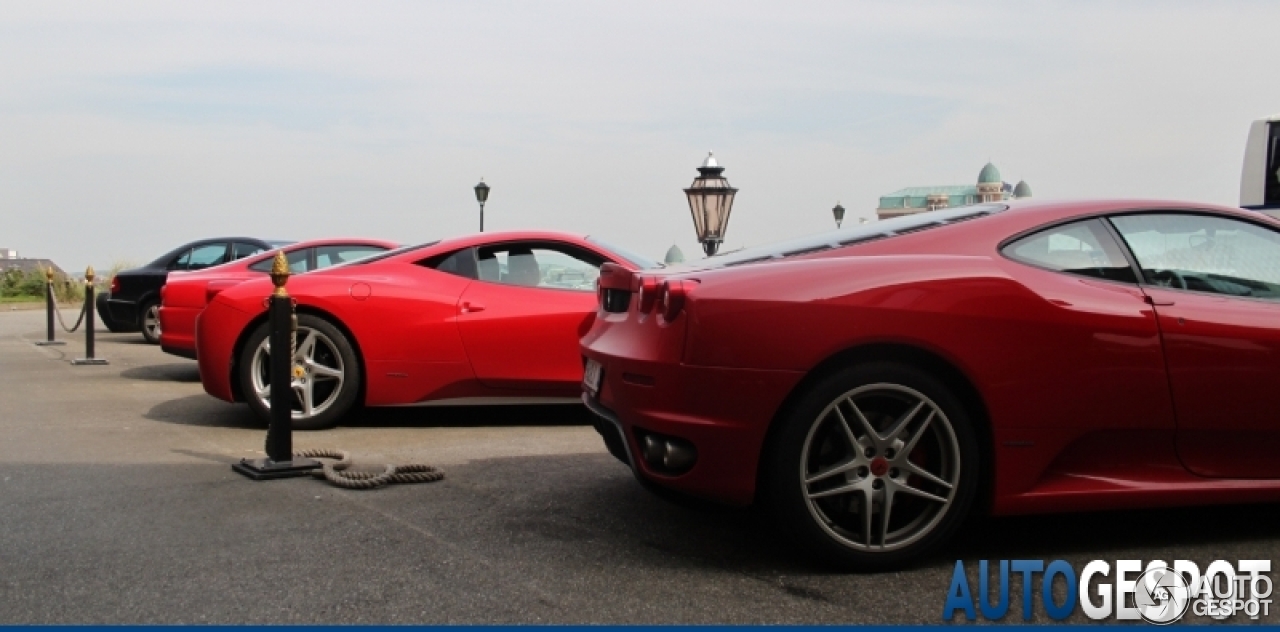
[472, 307]
[1157, 302]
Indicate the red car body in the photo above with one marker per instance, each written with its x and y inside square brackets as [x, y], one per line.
[1087, 393]
[185, 294]
[425, 336]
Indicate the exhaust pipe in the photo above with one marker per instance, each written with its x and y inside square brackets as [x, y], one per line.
[667, 455]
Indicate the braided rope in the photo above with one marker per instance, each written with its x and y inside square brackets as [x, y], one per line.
[64, 323]
[391, 474]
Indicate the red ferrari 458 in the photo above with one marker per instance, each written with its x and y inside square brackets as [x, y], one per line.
[873, 385]
[492, 318]
[185, 294]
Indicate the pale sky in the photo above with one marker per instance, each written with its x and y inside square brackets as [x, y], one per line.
[128, 128]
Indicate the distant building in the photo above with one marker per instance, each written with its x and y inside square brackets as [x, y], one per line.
[26, 266]
[989, 188]
[6, 253]
[674, 255]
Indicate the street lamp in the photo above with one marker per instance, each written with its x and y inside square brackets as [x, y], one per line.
[838, 213]
[710, 201]
[482, 194]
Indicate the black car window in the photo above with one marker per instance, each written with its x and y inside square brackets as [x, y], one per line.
[539, 264]
[181, 262]
[240, 250]
[461, 263]
[1204, 253]
[1085, 248]
[207, 256]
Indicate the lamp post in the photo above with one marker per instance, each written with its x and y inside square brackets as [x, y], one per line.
[482, 195]
[710, 201]
[838, 212]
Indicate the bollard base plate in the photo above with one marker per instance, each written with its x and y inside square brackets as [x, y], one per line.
[50, 343]
[89, 361]
[266, 469]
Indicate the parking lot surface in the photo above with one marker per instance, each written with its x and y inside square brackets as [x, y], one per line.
[118, 505]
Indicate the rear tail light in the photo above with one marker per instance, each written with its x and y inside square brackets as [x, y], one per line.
[649, 290]
[115, 285]
[614, 288]
[674, 293]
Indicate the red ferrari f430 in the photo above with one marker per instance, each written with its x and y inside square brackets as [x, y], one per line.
[873, 385]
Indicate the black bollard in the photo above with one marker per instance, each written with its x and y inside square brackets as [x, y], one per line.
[280, 462]
[88, 323]
[49, 306]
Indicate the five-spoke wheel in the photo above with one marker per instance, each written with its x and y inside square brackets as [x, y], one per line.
[876, 465]
[324, 374]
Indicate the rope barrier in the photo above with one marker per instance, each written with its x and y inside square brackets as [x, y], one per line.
[333, 471]
[62, 322]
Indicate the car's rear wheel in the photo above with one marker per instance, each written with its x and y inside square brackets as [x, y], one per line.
[326, 374]
[150, 322]
[876, 466]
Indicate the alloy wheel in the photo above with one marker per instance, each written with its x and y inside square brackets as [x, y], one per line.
[880, 467]
[151, 322]
[317, 374]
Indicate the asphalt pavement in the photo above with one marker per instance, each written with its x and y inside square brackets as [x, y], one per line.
[118, 505]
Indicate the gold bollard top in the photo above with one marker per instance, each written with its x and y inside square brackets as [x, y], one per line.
[280, 274]
[48, 274]
[88, 275]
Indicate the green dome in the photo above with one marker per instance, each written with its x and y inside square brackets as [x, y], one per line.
[674, 255]
[989, 175]
[1023, 190]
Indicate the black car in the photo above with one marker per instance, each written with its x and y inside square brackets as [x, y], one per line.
[134, 301]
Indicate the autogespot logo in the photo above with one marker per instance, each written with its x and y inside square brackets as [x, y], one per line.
[1157, 593]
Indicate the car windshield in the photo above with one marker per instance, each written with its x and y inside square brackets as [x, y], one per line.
[640, 261]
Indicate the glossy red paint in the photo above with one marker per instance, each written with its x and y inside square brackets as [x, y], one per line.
[1091, 394]
[185, 294]
[423, 335]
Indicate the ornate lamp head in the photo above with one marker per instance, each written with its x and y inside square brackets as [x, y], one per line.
[710, 202]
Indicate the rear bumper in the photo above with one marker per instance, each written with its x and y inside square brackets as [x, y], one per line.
[123, 312]
[724, 413]
[108, 319]
[177, 330]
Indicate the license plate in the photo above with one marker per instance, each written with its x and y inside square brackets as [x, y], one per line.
[591, 376]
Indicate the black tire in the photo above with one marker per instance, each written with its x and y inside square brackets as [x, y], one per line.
[832, 525]
[336, 352]
[149, 333]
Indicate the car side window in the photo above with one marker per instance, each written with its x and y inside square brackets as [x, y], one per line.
[1204, 253]
[299, 262]
[181, 262]
[207, 256]
[461, 263]
[333, 255]
[240, 250]
[1085, 248]
[539, 265]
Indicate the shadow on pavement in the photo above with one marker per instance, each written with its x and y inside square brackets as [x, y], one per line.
[173, 372]
[469, 416]
[204, 410]
[1043, 537]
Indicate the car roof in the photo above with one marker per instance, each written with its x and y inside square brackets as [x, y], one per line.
[1004, 219]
